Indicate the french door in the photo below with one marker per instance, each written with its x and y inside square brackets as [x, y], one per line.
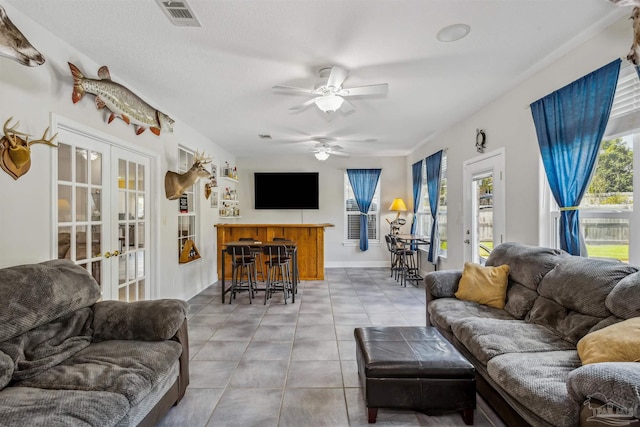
[102, 213]
[484, 205]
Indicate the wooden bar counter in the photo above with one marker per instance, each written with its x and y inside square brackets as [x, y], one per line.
[308, 237]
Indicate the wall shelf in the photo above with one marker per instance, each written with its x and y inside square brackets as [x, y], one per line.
[226, 178]
[230, 217]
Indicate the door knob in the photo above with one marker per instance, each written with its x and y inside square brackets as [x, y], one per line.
[106, 254]
[467, 241]
[116, 253]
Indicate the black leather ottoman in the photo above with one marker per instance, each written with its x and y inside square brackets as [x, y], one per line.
[413, 367]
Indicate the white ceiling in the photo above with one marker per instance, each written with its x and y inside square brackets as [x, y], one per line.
[218, 78]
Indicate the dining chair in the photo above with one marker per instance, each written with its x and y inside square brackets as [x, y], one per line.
[277, 262]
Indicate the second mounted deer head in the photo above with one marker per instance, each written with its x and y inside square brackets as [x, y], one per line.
[175, 184]
[15, 152]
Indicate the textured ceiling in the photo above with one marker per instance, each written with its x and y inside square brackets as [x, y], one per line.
[218, 78]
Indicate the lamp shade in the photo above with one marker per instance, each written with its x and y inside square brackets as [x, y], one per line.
[398, 205]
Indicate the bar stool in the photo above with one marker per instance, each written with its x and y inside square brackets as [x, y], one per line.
[257, 254]
[407, 268]
[278, 271]
[290, 254]
[242, 265]
[394, 255]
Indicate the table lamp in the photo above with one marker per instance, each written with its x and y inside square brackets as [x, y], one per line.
[397, 206]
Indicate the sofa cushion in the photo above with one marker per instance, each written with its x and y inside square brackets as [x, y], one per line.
[527, 264]
[619, 342]
[539, 382]
[488, 338]
[607, 382]
[152, 320]
[583, 284]
[624, 299]
[130, 368]
[520, 299]
[568, 324]
[47, 345]
[26, 406]
[446, 311]
[484, 285]
[35, 294]
[6, 369]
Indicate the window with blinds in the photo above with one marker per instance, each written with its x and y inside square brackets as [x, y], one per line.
[625, 111]
[352, 215]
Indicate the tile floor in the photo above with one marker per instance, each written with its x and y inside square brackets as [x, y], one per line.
[294, 365]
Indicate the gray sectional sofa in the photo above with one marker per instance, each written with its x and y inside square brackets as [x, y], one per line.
[527, 365]
[67, 359]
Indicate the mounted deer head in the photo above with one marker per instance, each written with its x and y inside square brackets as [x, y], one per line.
[175, 184]
[15, 152]
[14, 45]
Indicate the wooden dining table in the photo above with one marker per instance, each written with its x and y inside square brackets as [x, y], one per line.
[291, 246]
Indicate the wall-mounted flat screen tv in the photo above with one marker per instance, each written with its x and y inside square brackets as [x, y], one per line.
[286, 190]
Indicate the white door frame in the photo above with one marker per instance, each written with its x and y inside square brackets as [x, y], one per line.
[489, 162]
[58, 123]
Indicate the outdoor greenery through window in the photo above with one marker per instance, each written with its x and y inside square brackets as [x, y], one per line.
[607, 206]
[423, 216]
[352, 215]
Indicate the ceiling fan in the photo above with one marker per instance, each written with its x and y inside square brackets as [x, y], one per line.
[324, 149]
[330, 97]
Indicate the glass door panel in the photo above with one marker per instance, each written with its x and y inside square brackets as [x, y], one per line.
[132, 231]
[80, 202]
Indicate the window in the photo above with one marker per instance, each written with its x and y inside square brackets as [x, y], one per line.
[187, 206]
[606, 209]
[352, 215]
[424, 211]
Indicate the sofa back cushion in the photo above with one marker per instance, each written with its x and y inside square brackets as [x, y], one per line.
[583, 284]
[572, 295]
[527, 266]
[624, 299]
[34, 294]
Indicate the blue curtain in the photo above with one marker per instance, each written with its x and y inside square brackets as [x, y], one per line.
[416, 174]
[364, 183]
[434, 163]
[570, 123]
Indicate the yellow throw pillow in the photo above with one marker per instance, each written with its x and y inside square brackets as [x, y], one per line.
[619, 342]
[484, 285]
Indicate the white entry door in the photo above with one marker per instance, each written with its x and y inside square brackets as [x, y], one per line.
[484, 205]
[102, 212]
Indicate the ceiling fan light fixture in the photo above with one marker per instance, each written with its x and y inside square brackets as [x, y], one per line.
[329, 103]
[453, 32]
[322, 155]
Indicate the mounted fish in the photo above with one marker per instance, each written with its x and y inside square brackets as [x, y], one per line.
[15, 152]
[14, 45]
[120, 101]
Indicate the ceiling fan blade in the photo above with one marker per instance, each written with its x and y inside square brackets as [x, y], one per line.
[337, 76]
[296, 89]
[339, 153]
[347, 107]
[301, 106]
[336, 147]
[379, 89]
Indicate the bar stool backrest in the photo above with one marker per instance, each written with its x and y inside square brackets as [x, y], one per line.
[240, 253]
[275, 254]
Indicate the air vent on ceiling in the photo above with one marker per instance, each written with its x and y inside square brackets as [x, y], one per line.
[179, 13]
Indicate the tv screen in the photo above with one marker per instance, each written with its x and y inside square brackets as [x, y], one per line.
[286, 190]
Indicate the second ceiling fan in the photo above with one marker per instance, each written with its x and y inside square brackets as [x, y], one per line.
[330, 97]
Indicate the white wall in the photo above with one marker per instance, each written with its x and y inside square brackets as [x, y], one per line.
[331, 176]
[508, 123]
[31, 95]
